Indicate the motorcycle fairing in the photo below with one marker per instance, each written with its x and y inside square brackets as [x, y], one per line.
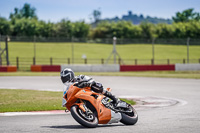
[104, 114]
[74, 93]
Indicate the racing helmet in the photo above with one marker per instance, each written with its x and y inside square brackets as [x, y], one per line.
[67, 75]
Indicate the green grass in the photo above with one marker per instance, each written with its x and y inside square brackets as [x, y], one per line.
[98, 51]
[161, 74]
[131, 102]
[29, 100]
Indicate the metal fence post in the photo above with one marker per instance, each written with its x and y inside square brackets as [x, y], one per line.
[114, 48]
[168, 62]
[17, 62]
[119, 61]
[85, 60]
[153, 54]
[68, 60]
[6, 47]
[152, 61]
[135, 61]
[51, 61]
[0, 60]
[34, 61]
[34, 40]
[102, 61]
[188, 44]
[72, 49]
[183, 61]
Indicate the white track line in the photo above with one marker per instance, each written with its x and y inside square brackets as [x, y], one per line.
[33, 113]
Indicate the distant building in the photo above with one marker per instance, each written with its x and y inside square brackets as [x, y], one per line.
[129, 13]
[135, 19]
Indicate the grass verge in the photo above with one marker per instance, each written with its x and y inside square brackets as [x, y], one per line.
[131, 102]
[31, 100]
[161, 74]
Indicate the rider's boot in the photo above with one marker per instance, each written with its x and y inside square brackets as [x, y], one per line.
[115, 100]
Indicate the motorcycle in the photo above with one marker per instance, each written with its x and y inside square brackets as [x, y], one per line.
[90, 109]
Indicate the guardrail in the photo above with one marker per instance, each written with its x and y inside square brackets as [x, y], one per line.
[24, 63]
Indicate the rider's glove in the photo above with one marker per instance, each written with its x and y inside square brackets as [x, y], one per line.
[84, 84]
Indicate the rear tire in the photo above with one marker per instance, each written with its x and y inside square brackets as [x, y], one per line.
[86, 123]
[128, 119]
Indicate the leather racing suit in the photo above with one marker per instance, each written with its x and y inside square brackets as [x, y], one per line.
[82, 81]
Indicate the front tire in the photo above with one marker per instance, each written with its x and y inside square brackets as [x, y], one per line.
[75, 111]
[129, 118]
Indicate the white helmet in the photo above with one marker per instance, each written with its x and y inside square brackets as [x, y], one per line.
[67, 75]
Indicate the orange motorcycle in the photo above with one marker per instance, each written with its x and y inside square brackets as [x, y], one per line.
[90, 109]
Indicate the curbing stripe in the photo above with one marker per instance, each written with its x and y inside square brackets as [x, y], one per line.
[36, 68]
[8, 69]
[147, 68]
[33, 113]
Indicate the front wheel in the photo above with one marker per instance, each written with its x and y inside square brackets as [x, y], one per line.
[129, 118]
[86, 120]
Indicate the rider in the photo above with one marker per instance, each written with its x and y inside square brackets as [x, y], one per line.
[68, 79]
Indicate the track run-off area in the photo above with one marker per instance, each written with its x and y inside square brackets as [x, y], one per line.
[164, 105]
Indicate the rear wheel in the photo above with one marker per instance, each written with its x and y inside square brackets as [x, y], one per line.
[129, 118]
[85, 119]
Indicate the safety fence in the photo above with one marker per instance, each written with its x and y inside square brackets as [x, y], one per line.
[175, 41]
[115, 68]
[27, 51]
[24, 63]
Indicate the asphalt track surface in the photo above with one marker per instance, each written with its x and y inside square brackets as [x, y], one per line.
[178, 118]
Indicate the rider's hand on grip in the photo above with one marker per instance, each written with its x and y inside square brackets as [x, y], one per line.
[76, 84]
[82, 84]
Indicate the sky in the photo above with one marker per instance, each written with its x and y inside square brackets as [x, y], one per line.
[78, 10]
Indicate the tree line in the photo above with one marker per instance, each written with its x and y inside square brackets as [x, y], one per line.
[124, 29]
[24, 22]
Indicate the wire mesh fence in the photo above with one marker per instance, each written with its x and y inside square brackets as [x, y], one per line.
[27, 51]
[175, 41]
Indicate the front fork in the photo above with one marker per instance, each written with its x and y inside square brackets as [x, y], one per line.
[83, 107]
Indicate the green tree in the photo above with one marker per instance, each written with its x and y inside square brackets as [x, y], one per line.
[64, 28]
[192, 29]
[46, 29]
[120, 29]
[25, 12]
[186, 15]
[25, 27]
[164, 30]
[97, 15]
[179, 30]
[103, 30]
[80, 29]
[4, 26]
[148, 30]
[125, 29]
